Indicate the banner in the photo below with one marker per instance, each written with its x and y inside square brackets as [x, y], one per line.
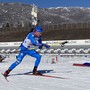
[52, 43]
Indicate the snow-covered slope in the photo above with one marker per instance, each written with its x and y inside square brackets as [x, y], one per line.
[66, 14]
[77, 77]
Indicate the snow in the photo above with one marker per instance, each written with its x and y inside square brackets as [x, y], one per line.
[77, 78]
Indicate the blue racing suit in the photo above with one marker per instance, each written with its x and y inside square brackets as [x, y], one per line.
[26, 48]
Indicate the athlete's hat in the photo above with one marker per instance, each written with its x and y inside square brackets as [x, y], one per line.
[39, 29]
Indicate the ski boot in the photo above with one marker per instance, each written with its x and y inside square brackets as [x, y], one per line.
[35, 72]
[6, 73]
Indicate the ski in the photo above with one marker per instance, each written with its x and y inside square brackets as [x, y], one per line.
[83, 65]
[42, 74]
[47, 76]
[5, 77]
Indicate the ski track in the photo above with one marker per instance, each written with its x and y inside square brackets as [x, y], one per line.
[77, 77]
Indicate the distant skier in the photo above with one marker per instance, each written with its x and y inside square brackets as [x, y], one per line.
[32, 39]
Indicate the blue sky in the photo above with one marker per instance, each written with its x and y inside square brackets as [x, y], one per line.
[54, 3]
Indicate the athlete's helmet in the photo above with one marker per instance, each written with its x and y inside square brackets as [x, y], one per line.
[39, 29]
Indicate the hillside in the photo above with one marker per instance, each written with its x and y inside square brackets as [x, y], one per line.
[18, 13]
[15, 20]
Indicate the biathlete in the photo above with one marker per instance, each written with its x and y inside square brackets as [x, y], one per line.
[32, 39]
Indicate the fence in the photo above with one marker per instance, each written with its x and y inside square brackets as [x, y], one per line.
[64, 26]
[51, 32]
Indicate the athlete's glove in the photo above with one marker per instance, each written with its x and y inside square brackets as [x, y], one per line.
[46, 46]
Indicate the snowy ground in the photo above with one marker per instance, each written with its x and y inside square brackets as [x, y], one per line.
[77, 77]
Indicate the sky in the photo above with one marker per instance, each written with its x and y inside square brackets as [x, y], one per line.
[54, 3]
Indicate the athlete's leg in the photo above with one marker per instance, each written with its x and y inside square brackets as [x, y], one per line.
[19, 59]
[37, 62]
[38, 59]
[36, 55]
